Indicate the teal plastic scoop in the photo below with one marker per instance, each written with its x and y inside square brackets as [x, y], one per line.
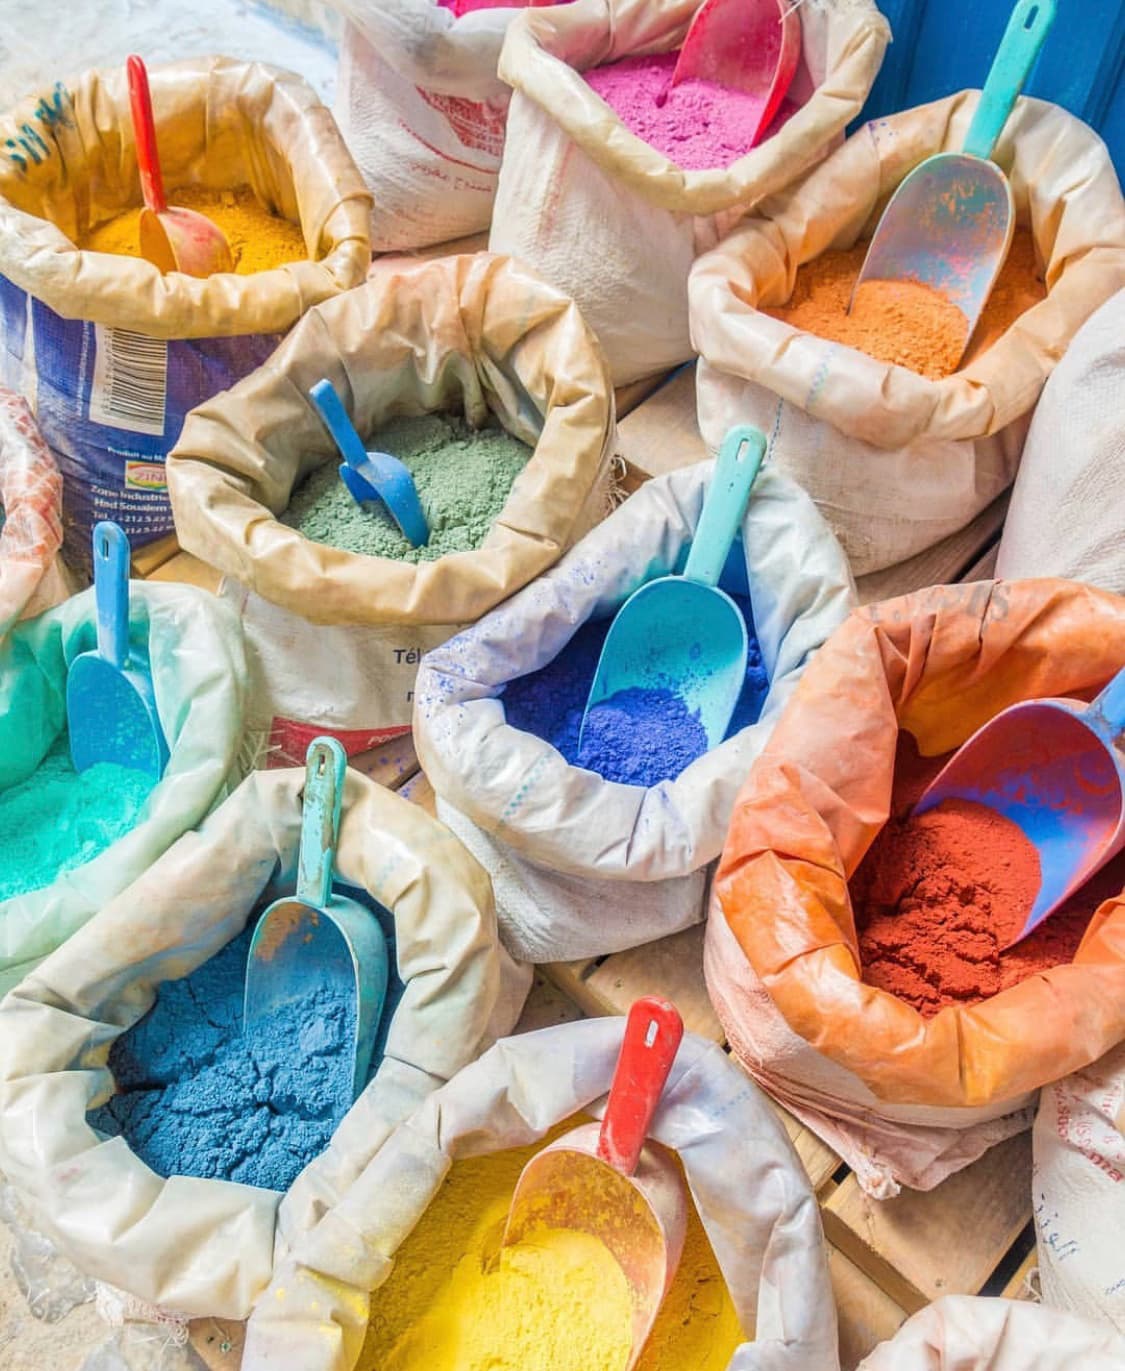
[319, 938]
[682, 633]
[110, 703]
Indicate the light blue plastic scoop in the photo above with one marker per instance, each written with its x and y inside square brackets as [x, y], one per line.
[682, 633]
[110, 703]
[318, 938]
[1057, 769]
[372, 475]
[950, 222]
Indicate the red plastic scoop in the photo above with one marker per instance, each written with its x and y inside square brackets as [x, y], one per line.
[172, 238]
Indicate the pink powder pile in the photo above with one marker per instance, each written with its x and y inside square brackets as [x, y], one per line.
[696, 124]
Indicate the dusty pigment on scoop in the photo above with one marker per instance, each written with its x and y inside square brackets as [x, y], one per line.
[938, 896]
[553, 1303]
[258, 239]
[58, 819]
[696, 124]
[637, 737]
[905, 323]
[463, 477]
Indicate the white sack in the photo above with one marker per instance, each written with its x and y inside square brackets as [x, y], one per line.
[32, 574]
[582, 866]
[754, 1200]
[204, 1247]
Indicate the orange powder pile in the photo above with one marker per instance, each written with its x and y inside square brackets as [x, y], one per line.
[258, 239]
[903, 322]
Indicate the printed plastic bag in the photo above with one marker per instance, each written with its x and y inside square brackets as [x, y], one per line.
[477, 335]
[1065, 517]
[1078, 1184]
[755, 1203]
[903, 1099]
[611, 221]
[971, 1333]
[32, 575]
[897, 462]
[583, 866]
[201, 1247]
[199, 674]
[111, 353]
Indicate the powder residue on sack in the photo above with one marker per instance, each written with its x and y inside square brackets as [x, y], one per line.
[443, 1308]
[939, 895]
[463, 476]
[258, 239]
[696, 124]
[905, 323]
[58, 819]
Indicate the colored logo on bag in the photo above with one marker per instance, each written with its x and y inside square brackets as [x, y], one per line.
[475, 122]
[145, 476]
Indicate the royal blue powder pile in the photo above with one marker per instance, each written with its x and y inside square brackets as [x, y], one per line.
[638, 737]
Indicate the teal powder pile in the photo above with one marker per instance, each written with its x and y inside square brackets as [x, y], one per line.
[57, 819]
[463, 477]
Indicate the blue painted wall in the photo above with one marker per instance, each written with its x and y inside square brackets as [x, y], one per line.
[942, 46]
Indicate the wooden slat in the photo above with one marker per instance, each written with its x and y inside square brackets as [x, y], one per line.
[219, 1342]
[146, 559]
[866, 1314]
[391, 764]
[818, 1159]
[419, 791]
[922, 1245]
[984, 568]
[1018, 1286]
[546, 1006]
[661, 434]
[182, 567]
[628, 397]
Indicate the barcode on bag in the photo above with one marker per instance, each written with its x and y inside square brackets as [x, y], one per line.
[130, 380]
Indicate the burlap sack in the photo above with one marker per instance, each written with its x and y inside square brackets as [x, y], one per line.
[478, 335]
[761, 1218]
[197, 1247]
[32, 574]
[607, 218]
[903, 1099]
[582, 866]
[1065, 515]
[79, 330]
[897, 462]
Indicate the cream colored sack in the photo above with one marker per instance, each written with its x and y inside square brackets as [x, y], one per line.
[475, 335]
[611, 221]
[897, 462]
[755, 1203]
[198, 1247]
[32, 574]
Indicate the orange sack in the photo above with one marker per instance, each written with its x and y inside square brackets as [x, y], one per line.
[904, 1099]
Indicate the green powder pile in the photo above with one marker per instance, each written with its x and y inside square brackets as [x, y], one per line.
[463, 476]
[57, 819]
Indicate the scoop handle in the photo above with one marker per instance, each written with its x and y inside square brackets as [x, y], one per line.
[653, 1032]
[331, 409]
[111, 592]
[325, 767]
[1107, 711]
[1025, 35]
[144, 132]
[737, 467]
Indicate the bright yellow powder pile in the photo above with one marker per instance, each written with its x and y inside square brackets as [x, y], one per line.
[258, 239]
[556, 1302]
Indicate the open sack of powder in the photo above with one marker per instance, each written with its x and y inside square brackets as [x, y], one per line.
[606, 217]
[755, 1205]
[120, 352]
[909, 1092]
[195, 1246]
[335, 637]
[895, 460]
[580, 865]
[49, 817]
[32, 575]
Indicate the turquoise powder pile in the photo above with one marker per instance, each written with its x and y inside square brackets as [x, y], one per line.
[463, 477]
[57, 820]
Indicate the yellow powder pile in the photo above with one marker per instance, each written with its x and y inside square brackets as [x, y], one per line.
[454, 1302]
[258, 239]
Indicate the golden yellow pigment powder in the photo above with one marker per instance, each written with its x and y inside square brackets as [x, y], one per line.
[258, 239]
[454, 1303]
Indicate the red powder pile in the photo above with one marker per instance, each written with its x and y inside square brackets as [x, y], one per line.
[938, 896]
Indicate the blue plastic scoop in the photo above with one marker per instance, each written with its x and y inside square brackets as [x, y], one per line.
[372, 475]
[110, 704]
[949, 224]
[682, 633]
[317, 937]
[1057, 769]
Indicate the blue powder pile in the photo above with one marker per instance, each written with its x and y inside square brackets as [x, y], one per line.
[638, 737]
